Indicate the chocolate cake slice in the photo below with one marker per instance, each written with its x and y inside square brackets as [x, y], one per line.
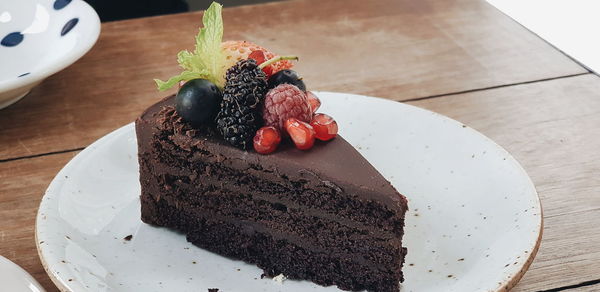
[324, 215]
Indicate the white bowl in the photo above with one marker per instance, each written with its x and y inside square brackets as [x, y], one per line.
[15, 279]
[39, 38]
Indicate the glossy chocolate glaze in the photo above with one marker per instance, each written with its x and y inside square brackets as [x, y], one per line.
[334, 164]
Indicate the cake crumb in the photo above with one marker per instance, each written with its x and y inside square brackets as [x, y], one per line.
[279, 278]
[128, 237]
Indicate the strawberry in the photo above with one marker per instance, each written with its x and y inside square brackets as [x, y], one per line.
[239, 50]
[260, 57]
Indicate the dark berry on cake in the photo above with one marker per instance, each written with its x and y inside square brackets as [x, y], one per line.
[286, 76]
[240, 116]
[198, 101]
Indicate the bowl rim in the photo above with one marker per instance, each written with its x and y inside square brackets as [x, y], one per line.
[61, 63]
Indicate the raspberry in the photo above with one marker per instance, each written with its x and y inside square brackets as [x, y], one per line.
[313, 101]
[235, 51]
[266, 140]
[301, 133]
[326, 127]
[283, 102]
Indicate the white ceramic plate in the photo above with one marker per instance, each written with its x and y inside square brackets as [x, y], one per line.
[39, 38]
[15, 279]
[474, 225]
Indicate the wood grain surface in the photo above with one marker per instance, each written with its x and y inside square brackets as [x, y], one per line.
[22, 185]
[400, 50]
[390, 48]
[551, 129]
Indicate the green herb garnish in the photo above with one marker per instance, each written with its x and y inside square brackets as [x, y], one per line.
[207, 61]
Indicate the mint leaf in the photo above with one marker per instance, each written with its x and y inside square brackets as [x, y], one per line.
[184, 76]
[207, 61]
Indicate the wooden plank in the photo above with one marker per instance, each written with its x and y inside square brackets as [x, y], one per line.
[390, 48]
[552, 129]
[22, 185]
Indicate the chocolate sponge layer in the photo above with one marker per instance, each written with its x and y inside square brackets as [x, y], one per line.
[324, 215]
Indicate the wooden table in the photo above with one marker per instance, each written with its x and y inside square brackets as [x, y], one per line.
[461, 58]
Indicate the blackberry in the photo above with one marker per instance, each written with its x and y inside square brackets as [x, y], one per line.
[240, 115]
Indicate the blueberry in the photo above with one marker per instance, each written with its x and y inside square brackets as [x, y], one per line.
[198, 101]
[286, 76]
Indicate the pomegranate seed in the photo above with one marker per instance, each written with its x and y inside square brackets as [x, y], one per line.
[266, 140]
[301, 133]
[313, 101]
[260, 57]
[326, 127]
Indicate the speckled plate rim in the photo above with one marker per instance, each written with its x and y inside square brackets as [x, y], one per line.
[506, 285]
[511, 282]
[54, 278]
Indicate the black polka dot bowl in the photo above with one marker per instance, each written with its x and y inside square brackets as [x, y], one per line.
[39, 38]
